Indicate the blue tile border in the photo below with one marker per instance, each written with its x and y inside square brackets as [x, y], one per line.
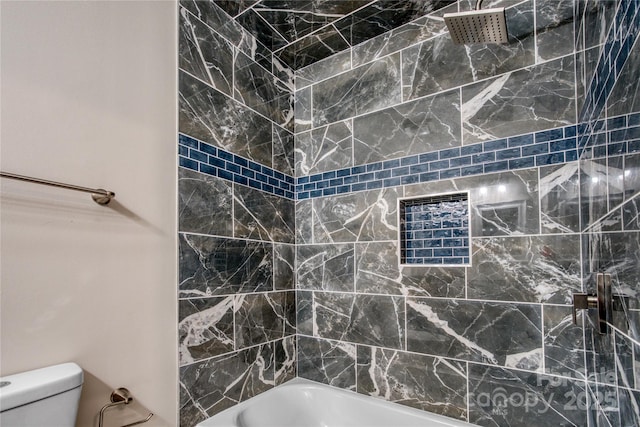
[617, 47]
[615, 136]
[517, 152]
[205, 158]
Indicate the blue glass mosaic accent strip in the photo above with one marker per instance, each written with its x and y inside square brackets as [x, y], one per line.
[205, 158]
[518, 152]
[435, 230]
[622, 35]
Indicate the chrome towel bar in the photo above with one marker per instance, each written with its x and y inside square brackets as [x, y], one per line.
[100, 196]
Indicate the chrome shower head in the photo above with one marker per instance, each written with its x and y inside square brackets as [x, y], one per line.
[477, 26]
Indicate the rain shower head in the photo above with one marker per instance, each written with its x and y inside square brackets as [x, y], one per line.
[477, 26]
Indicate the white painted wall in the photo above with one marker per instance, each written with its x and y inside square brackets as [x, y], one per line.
[88, 97]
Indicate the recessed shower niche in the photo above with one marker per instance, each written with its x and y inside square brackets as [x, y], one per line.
[434, 230]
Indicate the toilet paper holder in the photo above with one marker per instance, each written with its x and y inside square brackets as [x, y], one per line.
[120, 396]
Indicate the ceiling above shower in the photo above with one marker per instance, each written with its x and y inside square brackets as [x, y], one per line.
[301, 32]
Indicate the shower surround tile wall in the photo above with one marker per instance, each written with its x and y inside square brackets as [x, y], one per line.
[463, 342]
[236, 297]
[500, 329]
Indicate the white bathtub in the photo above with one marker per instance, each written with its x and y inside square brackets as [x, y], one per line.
[304, 403]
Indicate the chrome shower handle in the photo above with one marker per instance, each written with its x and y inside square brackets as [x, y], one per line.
[602, 300]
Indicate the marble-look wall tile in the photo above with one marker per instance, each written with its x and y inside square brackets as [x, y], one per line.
[283, 154]
[503, 397]
[359, 91]
[364, 319]
[527, 269]
[324, 149]
[364, 216]
[214, 266]
[428, 383]
[476, 331]
[428, 124]
[203, 53]
[284, 258]
[323, 69]
[559, 198]
[260, 318]
[377, 272]
[209, 13]
[205, 328]
[325, 267]
[302, 108]
[416, 31]
[597, 18]
[262, 91]
[563, 343]
[528, 100]
[319, 45]
[304, 310]
[501, 203]
[554, 26]
[286, 359]
[304, 222]
[327, 362]
[204, 204]
[259, 215]
[213, 117]
[625, 96]
[604, 406]
[438, 64]
[594, 193]
[209, 387]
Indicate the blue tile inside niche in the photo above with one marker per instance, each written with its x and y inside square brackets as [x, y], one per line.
[434, 230]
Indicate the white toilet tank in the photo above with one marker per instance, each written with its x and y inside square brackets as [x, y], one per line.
[42, 397]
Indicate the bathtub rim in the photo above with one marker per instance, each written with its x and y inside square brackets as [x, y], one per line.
[227, 417]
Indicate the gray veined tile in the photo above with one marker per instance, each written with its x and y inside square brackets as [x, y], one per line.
[205, 328]
[204, 53]
[503, 397]
[216, 266]
[559, 198]
[364, 216]
[554, 26]
[209, 13]
[324, 149]
[261, 318]
[304, 222]
[501, 204]
[283, 267]
[258, 215]
[213, 117]
[563, 343]
[411, 379]
[527, 269]
[476, 331]
[323, 43]
[328, 362]
[528, 100]
[323, 69]
[285, 359]
[438, 64]
[377, 272]
[304, 312]
[325, 267]
[283, 155]
[204, 204]
[413, 32]
[428, 124]
[262, 91]
[302, 107]
[364, 89]
[216, 384]
[365, 319]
